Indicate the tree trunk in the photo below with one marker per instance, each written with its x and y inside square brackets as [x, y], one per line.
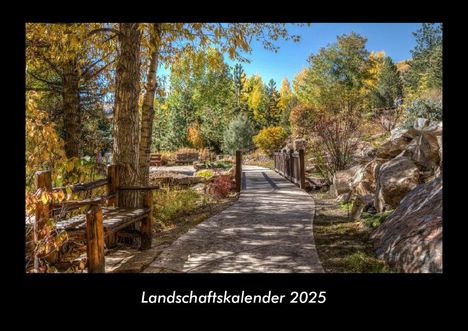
[71, 109]
[126, 115]
[148, 106]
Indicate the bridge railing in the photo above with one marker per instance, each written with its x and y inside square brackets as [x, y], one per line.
[291, 165]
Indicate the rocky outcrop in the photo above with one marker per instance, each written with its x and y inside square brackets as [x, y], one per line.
[399, 139]
[410, 239]
[394, 179]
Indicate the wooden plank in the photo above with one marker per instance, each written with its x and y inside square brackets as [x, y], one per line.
[146, 223]
[139, 188]
[95, 240]
[80, 187]
[113, 219]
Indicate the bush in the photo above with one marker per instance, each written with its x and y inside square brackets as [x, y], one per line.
[374, 221]
[427, 107]
[270, 139]
[169, 203]
[222, 185]
[336, 141]
[207, 173]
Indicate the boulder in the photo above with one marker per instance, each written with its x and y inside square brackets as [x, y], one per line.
[364, 149]
[342, 181]
[363, 187]
[316, 182]
[360, 204]
[423, 150]
[410, 239]
[399, 139]
[394, 179]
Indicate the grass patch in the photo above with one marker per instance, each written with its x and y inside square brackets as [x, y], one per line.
[169, 203]
[364, 263]
[346, 206]
[375, 220]
[343, 245]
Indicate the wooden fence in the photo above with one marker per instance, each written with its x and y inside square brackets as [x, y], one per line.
[291, 166]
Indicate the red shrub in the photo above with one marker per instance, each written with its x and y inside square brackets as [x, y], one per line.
[222, 185]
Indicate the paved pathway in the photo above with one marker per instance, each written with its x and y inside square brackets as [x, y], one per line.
[269, 229]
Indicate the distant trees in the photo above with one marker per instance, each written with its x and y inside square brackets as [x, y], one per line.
[336, 78]
[423, 78]
[206, 94]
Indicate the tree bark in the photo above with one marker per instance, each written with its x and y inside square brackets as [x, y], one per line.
[71, 108]
[147, 113]
[126, 115]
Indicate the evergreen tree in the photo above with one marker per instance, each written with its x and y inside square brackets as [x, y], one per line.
[388, 90]
[426, 65]
[273, 113]
[238, 134]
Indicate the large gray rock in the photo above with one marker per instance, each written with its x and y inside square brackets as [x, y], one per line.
[410, 239]
[394, 179]
[342, 181]
[423, 150]
[363, 186]
[399, 139]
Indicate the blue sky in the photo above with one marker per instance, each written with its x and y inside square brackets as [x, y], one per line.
[395, 39]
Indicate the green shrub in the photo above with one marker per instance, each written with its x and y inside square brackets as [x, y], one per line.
[207, 173]
[429, 108]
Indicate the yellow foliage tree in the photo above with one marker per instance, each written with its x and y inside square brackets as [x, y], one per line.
[270, 139]
[285, 94]
[194, 136]
[44, 148]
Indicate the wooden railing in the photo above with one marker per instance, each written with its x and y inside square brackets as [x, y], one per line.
[291, 166]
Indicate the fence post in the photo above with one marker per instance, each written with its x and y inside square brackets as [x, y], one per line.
[113, 178]
[146, 223]
[238, 170]
[291, 165]
[301, 169]
[95, 240]
[43, 180]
